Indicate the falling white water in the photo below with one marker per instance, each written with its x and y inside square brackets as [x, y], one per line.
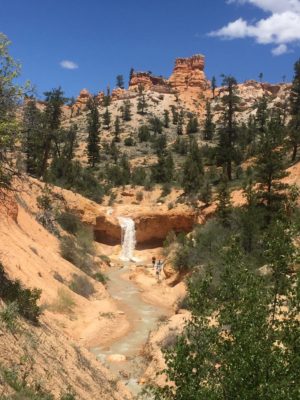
[128, 238]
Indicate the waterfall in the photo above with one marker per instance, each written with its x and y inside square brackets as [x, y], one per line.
[128, 238]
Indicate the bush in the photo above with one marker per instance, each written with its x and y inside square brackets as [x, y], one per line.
[138, 176]
[64, 302]
[129, 141]
[82, 286]
[26, 299]
[98, 276]
[9, 316]
[69, 222]
[75, 251]
[144, 133]
[139, 196]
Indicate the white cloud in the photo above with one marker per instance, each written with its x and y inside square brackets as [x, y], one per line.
[279, 50]
[281, 27]
[67, 64]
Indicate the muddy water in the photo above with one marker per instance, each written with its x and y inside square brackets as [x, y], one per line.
[143, 318]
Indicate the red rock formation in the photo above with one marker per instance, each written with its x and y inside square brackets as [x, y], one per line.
[81, 102]
[148, 82]
[189, 72]
[189, 81]
[151, 229]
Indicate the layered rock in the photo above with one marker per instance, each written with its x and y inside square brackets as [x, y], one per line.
[81, 102]
[148, 82]
[152, 228]
[189, 81]
[189, 72]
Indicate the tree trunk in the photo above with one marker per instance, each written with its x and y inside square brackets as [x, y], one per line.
[295, 148]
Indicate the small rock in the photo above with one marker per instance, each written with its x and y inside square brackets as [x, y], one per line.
[116, 358]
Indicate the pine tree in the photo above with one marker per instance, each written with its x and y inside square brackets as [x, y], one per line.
[142, 103]
[180, 122]
[107, 98]
[131, 72]
[192, 125]
[53, 111]
[10, 96]
[294, 126]
[117, 131]
[162, 172]
[224, 207]
[156, 125]
[126, 110]
[174, 115]
[120, 81]
[213, 86]
[193, 171]
[93, 150]
[32, 139]
[106, 118]
[70, 142]
[209, 126]
[226, 151]
[166, 118]
[270, 167]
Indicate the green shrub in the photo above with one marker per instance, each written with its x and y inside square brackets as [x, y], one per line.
[69, 222]
[100, 277]
[81, 285]
[139, 196]
[129, 141]
[26, 299]
[144, 133]
[9, 316]
[138, 176]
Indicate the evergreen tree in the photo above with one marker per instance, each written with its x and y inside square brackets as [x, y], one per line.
[53, 111]
[224, 207]
[192, 125]
[10, 95]
[270, 167]
[93, 150]
[209, 126]
[294, 126]
[32, 139]
[126, 110]
[117, 130]
[142, 103]
[193, 169]
[144, 133]
[106, 118]
[174, 115]
[156, 125]
[70, 142]
[226, 151]
[180, 122]
[162, 172]
[106, 98]
[120, 81]
[213, 86]
[166, 118]
[131, 72]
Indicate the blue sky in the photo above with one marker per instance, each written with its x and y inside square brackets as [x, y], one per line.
[107, 38]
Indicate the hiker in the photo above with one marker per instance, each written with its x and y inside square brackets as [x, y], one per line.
[153, 261]
[159, 266]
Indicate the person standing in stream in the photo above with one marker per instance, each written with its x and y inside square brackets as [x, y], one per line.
[153, 261]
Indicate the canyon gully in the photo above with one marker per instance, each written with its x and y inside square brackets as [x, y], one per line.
[143, 317]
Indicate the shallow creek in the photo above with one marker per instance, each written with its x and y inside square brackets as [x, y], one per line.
[143, 318]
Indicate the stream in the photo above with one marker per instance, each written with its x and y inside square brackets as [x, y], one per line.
[143, 318]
